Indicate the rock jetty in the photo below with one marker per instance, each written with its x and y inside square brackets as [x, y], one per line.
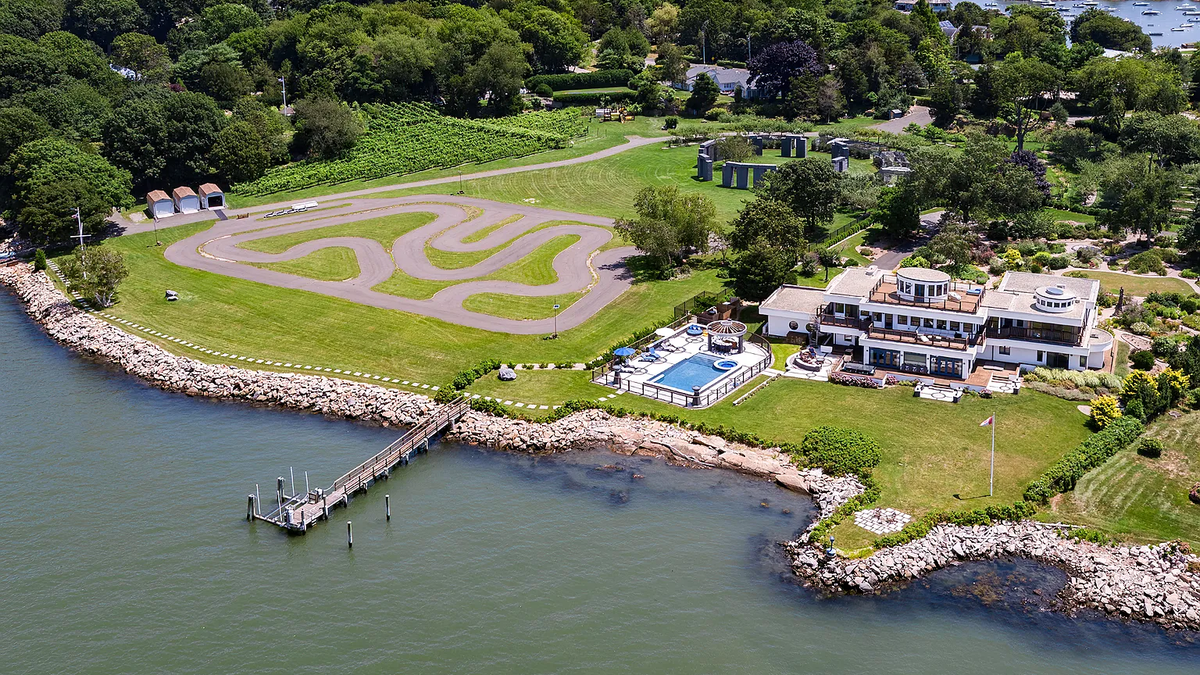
[1159, 583]
[91, 336]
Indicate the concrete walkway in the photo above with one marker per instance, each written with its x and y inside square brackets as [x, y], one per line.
[917, 114]
[578, 267]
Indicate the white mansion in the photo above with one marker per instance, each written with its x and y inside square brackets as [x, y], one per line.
[918, 321]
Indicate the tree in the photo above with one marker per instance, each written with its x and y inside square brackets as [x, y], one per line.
[1170, 139]
[190, 125]
[830, 259]
[1020, 85]
[773, 69]
[771, 222]
[1108, 31]
[1026, 159]
[225, 82]
[222, 20]
[1189, 238]
[498, 76]
[30, 19]
[734, 148]
[830, 102]
[953, 243]
[898, 212]
[324, 128]
[557, 39]
[238, 154]
[19, 126]
[52, 176]
[669, 224]
[810, 187]
[1137, 195]
[947, 99]
[704, 94]
[759, 270]
[135, 136]
[103, 20]
[672, 62]
[663, 23]
[95, 272]
[142, 54]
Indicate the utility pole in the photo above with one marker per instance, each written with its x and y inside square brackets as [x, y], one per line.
[284, 83]
[81, 236]
[704, 43]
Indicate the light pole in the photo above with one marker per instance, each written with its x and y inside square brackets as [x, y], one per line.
[555, 336]
[284, 83]
[704, 43]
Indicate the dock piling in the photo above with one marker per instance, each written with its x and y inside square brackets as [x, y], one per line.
[349, 534]
[250, 507]
[387, 506]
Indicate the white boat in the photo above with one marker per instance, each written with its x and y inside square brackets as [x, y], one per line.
[1184, 8]
[1156, 34]
[1191, 13]
[1140, 4]
[1178, 29]
[1064, 9]
[1090, 3]
[1151, 12]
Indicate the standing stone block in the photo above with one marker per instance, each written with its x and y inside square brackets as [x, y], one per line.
[727, 174]
[704, 168]
[841, 164]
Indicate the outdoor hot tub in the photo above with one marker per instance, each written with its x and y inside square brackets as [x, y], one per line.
[725, 364]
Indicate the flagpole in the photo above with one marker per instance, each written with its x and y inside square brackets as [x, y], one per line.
[992, 475]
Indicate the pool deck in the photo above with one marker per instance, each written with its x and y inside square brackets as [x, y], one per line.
[687, 346]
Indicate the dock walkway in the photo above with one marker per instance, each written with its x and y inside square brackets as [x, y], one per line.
[298, 512]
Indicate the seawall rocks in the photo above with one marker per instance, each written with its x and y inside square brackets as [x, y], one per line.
[89, 335]
[1158, 583]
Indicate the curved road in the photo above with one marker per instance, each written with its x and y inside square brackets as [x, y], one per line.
[216, 250]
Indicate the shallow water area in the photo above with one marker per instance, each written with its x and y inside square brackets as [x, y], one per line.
[123, 548]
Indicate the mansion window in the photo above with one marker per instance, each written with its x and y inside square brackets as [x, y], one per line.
[1007, 351]
[901, 320]
[1083, 362]
[1041, 355]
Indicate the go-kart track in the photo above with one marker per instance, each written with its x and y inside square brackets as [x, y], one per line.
[602, 276]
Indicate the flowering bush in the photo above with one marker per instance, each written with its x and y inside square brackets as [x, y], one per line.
[855, 380]
[1104, 410]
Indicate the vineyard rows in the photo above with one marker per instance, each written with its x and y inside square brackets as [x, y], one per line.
[405, 138]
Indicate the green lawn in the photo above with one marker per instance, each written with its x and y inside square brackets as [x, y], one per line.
[385, 230]
[480, 235]
[251, 319]
[600, 137]
[1142, 499]
[537, 268]
[542, 387]
[456, 260]
[407, 286]
[520, 306]
[849, 248]
[1121, 367]
[1140, 286]
[607, 187]
[1061, 216]
[328, 264]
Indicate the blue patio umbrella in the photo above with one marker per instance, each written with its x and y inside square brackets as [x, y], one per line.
[624, 351]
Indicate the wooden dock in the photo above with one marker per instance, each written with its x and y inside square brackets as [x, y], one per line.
[297, 512]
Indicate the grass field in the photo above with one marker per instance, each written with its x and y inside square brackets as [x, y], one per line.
[456, 260]
[385, 230]
[1140, 285]
[607, 187]
[600, 136]
[931, 452]
[537, 268]
[328, 264]
[1139, 498]
[1063, 216]
[252, 319]
[520, 306]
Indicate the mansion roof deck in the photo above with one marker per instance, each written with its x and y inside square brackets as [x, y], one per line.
[967, 301]
[920, 339]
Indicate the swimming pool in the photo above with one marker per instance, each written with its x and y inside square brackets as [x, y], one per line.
[698, 370]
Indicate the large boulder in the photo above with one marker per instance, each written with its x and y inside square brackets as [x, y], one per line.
[507, 374]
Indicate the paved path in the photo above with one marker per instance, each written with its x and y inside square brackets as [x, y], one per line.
[216, 250]
[917, 113]
[130, 227]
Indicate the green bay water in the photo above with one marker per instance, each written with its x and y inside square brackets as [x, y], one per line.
[124, 549]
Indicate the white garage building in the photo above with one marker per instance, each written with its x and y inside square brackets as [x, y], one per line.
[186, 201]
[159, 204]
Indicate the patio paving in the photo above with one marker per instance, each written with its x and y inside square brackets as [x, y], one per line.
[881, 521]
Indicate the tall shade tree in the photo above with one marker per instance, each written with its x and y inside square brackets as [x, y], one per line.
[1137, 195]
[760, 269]
[190, 125]
[810, 187]
[30, 18]
[772, 222]
[704, 94]
[238, 154]
[1020, 86]
[143, 54]
[669, 224]
[1108, 31]
[19, 126]
[103, 20]
[775, 68]
[324, 129]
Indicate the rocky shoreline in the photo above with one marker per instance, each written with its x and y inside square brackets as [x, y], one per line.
[1159, 583]
[1153, 583]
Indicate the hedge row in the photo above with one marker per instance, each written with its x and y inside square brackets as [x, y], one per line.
[593, 80]
[986, 516]
[587, 98]
[1089, 454]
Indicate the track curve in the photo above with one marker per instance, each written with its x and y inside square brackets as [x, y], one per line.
[217, 250]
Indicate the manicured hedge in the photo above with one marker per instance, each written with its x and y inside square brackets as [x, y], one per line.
[840, 451]
[594, 80]
[1089, 454]
[986, 516]
[586, 98]
[464, 379]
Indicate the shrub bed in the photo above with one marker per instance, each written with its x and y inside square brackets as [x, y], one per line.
[464, 379]
[1089, 454]
[855, 380]
[840, 451]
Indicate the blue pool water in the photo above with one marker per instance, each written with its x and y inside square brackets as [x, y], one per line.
[694, 371]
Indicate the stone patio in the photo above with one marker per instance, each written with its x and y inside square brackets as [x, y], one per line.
[881, 521]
